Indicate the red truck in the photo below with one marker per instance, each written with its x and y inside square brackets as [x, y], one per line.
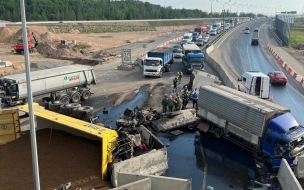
[19, 48]
[200, 29]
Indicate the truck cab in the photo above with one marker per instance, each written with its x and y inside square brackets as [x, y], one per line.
[255, 83]
[194, 61]
[153, 66]
[283, 139]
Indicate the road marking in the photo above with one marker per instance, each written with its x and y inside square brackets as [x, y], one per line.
[205, 166]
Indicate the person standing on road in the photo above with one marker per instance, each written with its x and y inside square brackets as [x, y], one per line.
[165, 103]
[194, 99]
[175, 84]
[177, 102]
[170, 103]
[185, 98]
[180, 75]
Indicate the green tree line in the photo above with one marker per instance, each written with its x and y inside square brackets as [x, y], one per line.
[56, 10]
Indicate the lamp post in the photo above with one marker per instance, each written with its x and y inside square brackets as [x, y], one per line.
[223, 3]
[30, 100]
[237, 8]
[211, 5]
[276, 9]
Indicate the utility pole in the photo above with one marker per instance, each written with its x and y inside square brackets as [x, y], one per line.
[30, 100]
[211, 5]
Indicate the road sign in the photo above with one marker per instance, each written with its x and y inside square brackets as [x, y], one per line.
[126, 56]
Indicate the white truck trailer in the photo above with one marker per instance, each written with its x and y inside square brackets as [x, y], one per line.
[263, 127]
[66, 84]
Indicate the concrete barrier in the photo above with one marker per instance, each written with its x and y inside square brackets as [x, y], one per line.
[157, 182]
[143, 184]
[223, 72]
[287, 178]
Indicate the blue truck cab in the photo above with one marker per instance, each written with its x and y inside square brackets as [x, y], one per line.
[283, 139]
[193, 58]
[194, 61]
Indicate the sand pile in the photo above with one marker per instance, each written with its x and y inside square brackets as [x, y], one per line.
[56, 50]
[41, 33]
[6, 35]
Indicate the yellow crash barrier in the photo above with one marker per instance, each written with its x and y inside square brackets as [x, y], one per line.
[107, 136]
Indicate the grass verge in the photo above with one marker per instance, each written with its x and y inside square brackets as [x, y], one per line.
[296, 37]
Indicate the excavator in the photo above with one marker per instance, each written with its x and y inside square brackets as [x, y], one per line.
[19, 48]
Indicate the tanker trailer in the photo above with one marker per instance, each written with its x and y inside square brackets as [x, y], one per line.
[66, 84]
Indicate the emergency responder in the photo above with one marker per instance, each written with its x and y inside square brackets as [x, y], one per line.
[175, 84]
[194, 99]
[180, 75]
[170, 103]
[165, 103]
[185, 98]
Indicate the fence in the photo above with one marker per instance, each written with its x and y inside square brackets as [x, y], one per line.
[284, 25]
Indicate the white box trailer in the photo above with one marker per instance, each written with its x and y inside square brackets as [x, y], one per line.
[67, 84]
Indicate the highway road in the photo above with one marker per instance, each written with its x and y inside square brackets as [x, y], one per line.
[214, 163]
[236, 51]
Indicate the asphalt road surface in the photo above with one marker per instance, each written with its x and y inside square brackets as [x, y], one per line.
[216, 163]
[236, 51]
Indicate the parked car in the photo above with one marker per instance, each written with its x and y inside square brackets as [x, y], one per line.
[200, 42]
[213, 32]
[205, 39]
[277, 77]
[256, 30]
[206, 36]
[185, 41]
[178, 53]
[176, 47]
[219, 30]
[195, 36]
[247, 28]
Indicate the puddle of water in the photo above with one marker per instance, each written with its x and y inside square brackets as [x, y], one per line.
[116, 111]
[227, 165]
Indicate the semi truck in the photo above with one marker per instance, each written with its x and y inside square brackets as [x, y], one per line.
[193, 58]
[266, 129]
[158, 61]
[66, 84]
[200, 29]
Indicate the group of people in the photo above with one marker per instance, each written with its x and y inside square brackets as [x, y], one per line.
[179, 102]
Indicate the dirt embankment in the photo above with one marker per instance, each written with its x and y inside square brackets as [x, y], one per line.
[62, 158]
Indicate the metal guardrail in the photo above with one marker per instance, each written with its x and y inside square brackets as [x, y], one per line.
[276, 36]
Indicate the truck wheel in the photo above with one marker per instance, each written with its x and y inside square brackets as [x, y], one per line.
[64, 98]
[168, 69]
[218, 133]
[75, 97]
[239, 88]
[82, 112]
[66, 109]
[85, 94]
[160, 75]
[55, 106]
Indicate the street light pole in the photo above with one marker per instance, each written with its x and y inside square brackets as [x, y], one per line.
[211, 5]
[30, 99]
[276, 9]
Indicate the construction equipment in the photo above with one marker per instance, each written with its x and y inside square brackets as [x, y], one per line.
[19, 47]
[66, 84]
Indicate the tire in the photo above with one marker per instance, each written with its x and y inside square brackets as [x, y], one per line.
[66, 109]
[64, 98]
[75, 97]
[284, 83]
[168, 69]
[239, 88]
[82, 112]
[85, 94]
[55, 106]
[160, 75]
[218, 133]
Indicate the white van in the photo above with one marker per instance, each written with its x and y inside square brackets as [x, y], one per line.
[188, 36]
[255, 83]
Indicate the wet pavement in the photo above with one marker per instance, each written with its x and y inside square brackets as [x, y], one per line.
[217, 163]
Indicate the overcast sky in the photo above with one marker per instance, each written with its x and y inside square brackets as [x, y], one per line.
[205, 5]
